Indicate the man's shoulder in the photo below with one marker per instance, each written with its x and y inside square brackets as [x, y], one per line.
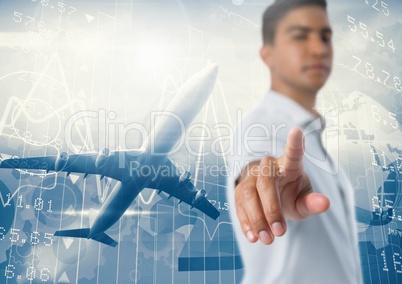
[266, 120]
[260, 117]
[272, 109]
[260, 133]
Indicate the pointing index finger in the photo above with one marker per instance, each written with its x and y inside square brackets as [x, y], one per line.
[292, 159]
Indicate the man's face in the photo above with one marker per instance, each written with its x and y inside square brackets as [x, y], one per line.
[301, 55]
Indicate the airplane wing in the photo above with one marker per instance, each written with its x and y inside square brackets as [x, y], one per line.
[201, 202]
[106, 164]
[79, 163]
[180, 187]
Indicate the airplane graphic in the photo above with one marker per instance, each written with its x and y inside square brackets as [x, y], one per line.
[147, 167]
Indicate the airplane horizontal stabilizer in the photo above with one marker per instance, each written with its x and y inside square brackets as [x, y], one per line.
[105, 239]
[76, 233]
[84, 233]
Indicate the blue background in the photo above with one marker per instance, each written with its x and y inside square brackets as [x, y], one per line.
[125, 59]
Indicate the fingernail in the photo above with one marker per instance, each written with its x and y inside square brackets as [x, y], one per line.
[265, 237]
[250, 235]
[277, 229]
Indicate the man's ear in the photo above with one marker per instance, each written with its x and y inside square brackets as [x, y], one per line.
[266, 54]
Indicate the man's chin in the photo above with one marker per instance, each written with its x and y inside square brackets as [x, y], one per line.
[316, 84]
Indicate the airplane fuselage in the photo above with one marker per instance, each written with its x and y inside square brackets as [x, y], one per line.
[139, 170]
[121, 197]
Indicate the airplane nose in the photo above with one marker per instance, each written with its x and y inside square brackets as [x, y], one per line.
[212, 70]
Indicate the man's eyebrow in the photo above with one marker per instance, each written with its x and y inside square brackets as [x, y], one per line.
[308, 29]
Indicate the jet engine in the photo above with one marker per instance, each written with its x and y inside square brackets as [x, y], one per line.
[184, 178]
[202, 193]
[102, 158]
[61, 161]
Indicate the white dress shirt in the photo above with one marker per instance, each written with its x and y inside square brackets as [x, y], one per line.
[321, 249]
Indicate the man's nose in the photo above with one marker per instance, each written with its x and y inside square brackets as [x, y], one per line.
[318, 46]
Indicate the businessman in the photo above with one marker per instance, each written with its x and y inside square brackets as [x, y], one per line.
[292, 207]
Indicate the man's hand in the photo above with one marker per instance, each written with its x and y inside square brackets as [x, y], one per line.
[273, 189]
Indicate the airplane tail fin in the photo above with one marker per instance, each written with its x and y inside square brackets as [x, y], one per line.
[84, 233]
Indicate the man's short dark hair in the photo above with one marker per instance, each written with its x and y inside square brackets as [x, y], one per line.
[277, 11]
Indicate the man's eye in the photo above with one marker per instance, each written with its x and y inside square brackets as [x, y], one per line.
[326, 38]
[299, 37]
